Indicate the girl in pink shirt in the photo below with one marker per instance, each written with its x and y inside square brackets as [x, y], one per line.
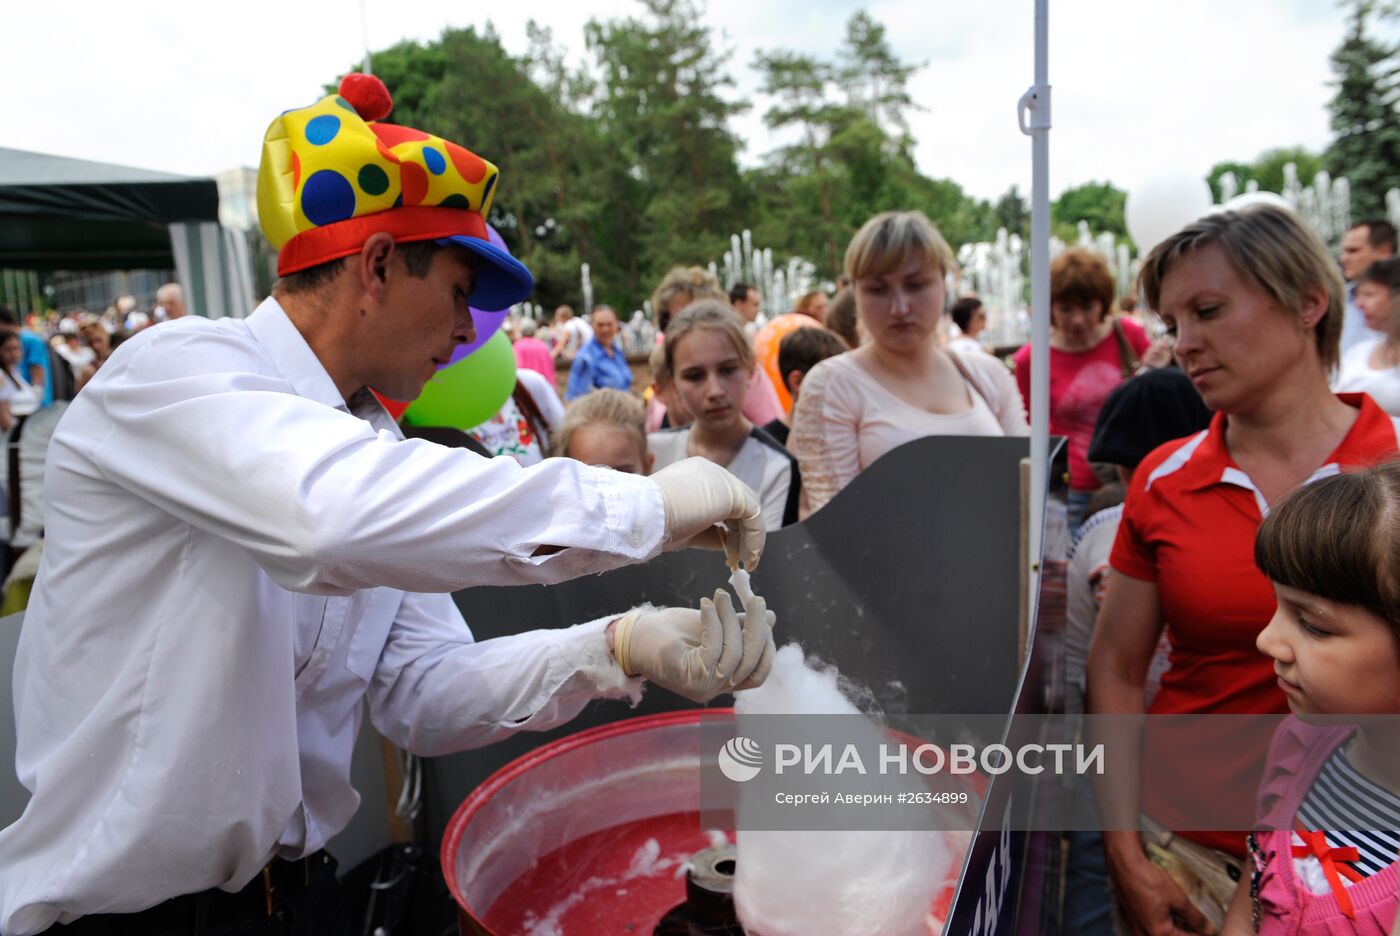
[1328, 828]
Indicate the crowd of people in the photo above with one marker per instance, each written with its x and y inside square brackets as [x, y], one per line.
[46, 358]
[1243, 407]
[1231, 496]
[244, 552]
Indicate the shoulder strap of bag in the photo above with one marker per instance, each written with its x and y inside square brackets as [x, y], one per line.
[532, 414]
[1128, 359]
[967, 378]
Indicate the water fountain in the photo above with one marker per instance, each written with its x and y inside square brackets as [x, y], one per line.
[779, 288]
[586, 282]
[995, 272]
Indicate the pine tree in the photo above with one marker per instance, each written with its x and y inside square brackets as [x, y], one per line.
[665, 118]
[875, 80]
[1367, 146]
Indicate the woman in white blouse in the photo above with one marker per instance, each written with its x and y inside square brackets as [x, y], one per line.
[1373, 366]
[17, 397]
[899, 385]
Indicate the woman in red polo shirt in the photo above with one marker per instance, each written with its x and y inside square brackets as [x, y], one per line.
[1255, 303]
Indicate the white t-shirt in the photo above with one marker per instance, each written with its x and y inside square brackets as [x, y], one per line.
[1358, 376]
[965, 345]
[23, 398]
[1087, 581]
[762, 464]
[579, 334]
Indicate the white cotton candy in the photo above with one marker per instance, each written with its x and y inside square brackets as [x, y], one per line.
[739, 581]
[800, 883]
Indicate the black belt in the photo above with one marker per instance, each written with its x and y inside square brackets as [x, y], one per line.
[269, 896]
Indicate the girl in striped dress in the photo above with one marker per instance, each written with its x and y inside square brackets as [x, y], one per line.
[1328, 828]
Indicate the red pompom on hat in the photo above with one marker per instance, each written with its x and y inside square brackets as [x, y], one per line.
[367, 95]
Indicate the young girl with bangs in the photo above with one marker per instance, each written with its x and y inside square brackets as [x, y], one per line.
[711, 364]
[1324, 848]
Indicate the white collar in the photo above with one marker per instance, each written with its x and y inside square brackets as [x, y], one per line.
[292, 356]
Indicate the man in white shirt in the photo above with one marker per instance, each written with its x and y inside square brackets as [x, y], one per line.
[1362, 245]
[746, 302]
[241, 548]
[970, 316]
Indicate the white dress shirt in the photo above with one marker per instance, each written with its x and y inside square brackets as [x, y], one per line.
[1354, 327]
[235, 558]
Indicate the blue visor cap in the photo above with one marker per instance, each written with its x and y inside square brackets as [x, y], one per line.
[500, 280]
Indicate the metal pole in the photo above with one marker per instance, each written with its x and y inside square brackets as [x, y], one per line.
[364, 35]
[1034, 116]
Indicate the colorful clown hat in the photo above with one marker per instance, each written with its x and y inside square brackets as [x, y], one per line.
[332, 175]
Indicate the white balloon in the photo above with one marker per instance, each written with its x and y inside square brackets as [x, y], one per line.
[1163, 205]
[1248, 199]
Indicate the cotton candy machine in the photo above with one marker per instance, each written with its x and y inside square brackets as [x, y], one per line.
[598, 833]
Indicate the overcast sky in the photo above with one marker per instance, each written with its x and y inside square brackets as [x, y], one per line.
[1139, 87]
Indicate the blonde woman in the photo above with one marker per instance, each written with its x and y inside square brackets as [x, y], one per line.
[1255, 304]
[899, 385]
[608, 428]
[679, 288]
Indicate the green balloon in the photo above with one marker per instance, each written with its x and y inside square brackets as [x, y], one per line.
[469, 392]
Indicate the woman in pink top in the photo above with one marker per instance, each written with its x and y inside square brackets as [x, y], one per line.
[533, 354]
[900, 385]
[1091, 352]
[1324, 846]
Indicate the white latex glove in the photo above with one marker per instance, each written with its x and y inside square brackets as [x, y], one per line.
[698, 654]
[699, 495]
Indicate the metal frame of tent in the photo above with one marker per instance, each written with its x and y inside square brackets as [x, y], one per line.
[58, 213]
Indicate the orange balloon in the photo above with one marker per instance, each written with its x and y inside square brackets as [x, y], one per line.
[765, 348]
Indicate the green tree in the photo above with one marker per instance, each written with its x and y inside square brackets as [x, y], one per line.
[410, 70]
[1268, 169]
[1367, 145]
[1243, 173]
[875, 80]
[852, 153]
[799, 86]
[961, 218]
[544, 149]
[517, 126]
[664, 117]
[1098, 203]
[1013, 212]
